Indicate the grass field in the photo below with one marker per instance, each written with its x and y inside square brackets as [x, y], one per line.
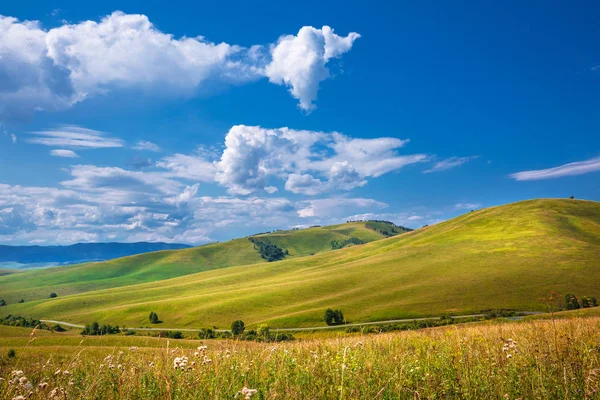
[518, 360]
[502, 257]
[155, 266]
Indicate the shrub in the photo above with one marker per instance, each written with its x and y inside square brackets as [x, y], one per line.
[58, 328]
[263, 330]
[571, 302]
[206, 333]
[237, 327]
[21, 301]
[52, 295]
[333, 317]
[12, 353]
[95, 329]
[2, 303]
[174, 335]
[587, 302]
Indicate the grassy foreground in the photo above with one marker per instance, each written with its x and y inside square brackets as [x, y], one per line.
[502, 257]
[532, 360]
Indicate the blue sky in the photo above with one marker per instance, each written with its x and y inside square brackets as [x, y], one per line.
[127, 121]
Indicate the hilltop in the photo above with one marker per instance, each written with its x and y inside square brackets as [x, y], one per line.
[160, 265]
[501, 257]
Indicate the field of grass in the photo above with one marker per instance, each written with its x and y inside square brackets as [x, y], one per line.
[502, 257]
[155, 266]
[518, 360]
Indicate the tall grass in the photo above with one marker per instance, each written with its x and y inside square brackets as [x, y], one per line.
[526, 360]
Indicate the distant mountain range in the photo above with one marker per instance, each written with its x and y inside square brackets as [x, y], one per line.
[77, 253]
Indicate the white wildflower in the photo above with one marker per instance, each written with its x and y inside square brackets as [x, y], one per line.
[247, 393]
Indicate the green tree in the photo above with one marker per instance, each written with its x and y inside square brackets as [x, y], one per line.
[338, 317]
[153, 317]
[328, 317]
[586, 302]
[571, 302]
[238, 327]
[333, 317]
[52, 295]
[2, 303]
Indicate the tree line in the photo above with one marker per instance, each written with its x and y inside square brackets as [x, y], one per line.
[268, 250]
[572, 303]
[335, 245]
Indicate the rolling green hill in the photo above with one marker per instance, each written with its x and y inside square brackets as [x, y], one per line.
[501, 257]
[154, 266]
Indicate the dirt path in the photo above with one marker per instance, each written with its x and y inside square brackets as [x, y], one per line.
[315, 328]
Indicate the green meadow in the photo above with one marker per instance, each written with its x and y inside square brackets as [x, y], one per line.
[160, 265]
[504, 257]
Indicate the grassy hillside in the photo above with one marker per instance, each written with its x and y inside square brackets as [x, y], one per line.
[161, 265]
[501, 257]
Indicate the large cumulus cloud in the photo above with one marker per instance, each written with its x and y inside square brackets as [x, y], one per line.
[53, 69]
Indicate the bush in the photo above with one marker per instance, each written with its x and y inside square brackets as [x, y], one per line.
[571, 302]
[95, 329]
[333, 317]
[21, 301]
[15, 320]
[12, 353]
[587, 302]
[206, 333]
[174, 335]
[2, 303]
[263, 330]
[237, 327]
[58, 328]
[52, 295]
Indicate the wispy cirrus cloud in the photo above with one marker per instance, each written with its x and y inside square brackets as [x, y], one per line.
[74, 137]
[144, 145]
[570, 169]
[466, 206]
[449, 163]
[63, 153]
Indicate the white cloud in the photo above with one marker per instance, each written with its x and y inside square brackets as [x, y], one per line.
[13, 138]
[309, 162]
[299, 62]
[54, 69]
[449, 163]
[144, 145]
[101, 204]
[336, 207]
[63, 153]
[571, 169]
[189, 167]
[466, 206]
[113, 181]
[75, 137]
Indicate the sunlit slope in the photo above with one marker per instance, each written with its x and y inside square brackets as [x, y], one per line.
[154, 266]
[501, 257]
